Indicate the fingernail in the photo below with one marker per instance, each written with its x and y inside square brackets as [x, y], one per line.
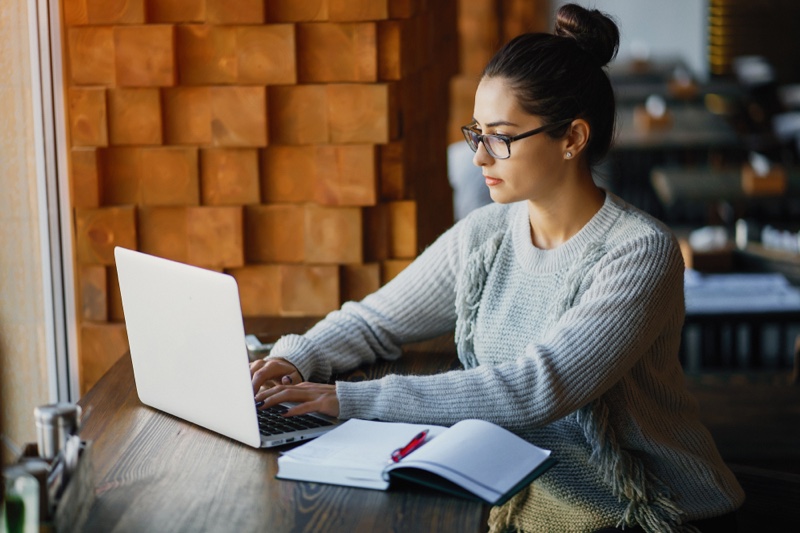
[286, 379]
[259, 404]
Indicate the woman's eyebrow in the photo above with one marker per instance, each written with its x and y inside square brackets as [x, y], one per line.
[496, 123]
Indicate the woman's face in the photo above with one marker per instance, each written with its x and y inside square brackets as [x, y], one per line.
[533, 172]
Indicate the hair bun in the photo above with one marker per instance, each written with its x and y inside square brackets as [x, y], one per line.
[594, 31]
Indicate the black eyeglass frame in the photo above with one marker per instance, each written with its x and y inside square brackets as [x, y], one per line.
[469, 133]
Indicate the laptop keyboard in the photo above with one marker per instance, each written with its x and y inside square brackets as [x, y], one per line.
[272, 422]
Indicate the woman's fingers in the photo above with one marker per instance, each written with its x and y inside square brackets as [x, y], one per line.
[291, 379]
[310, 397]
[265, 373]
[292, 393]
[256, 365]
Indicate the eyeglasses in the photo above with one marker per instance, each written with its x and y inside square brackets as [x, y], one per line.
[499, 146]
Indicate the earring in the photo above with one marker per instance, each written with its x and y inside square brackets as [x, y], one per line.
[568, 155]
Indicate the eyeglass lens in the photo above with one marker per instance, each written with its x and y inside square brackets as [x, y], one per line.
[496, 147]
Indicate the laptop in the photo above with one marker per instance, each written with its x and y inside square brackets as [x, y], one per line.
[190, 359]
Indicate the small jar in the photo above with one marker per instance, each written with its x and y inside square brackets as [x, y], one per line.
[39, 469]
[54, 424]
[21, 506]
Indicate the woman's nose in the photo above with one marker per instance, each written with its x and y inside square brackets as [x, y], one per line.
[481, 157]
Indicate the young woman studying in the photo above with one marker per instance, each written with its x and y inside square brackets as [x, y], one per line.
[567, 305]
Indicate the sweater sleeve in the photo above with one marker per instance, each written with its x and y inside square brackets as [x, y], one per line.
[417, 304]
[636, 291]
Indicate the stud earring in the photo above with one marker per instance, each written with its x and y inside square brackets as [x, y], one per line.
[568, 155]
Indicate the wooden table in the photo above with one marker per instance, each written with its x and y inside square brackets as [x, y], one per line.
[754, 417]
[756, 258]
[155, 472]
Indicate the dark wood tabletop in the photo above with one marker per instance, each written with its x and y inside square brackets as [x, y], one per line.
[155, 472]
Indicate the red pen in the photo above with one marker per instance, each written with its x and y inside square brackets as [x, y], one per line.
[415, 443]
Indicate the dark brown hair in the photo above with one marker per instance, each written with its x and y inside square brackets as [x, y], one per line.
[560, 76]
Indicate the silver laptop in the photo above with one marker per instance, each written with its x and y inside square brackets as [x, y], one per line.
[189, 355]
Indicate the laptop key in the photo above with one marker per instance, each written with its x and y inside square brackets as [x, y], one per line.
[272, 421]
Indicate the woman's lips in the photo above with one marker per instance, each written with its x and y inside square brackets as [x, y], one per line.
[490, 181]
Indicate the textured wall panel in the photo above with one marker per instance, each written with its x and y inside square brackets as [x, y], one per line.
[291, 143]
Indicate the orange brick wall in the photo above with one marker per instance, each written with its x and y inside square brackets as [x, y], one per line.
[295, 144]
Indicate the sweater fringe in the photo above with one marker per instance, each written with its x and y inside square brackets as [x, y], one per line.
[469, 290]
[649, 502]
[502, 518]
[572, 284]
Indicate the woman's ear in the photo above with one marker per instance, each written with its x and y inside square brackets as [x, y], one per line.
[577, 137]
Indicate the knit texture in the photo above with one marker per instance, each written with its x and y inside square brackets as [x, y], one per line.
[574, 349]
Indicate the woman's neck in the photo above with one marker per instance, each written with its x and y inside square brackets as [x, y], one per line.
[556, 219]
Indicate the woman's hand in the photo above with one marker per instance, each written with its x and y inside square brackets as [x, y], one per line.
[310, 397]
[266, 373]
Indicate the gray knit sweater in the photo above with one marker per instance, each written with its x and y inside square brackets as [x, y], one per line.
[573, 348]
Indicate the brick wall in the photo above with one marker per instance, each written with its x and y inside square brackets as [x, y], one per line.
[295, 144]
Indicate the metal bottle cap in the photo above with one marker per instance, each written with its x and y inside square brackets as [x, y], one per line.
[54, 424]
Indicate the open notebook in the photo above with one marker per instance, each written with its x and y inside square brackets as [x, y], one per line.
[189, 355]
[472, 459]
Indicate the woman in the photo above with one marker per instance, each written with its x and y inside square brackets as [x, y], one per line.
[567, 305]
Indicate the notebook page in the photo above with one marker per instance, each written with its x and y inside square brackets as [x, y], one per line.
[360, 444]
[479, 454]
